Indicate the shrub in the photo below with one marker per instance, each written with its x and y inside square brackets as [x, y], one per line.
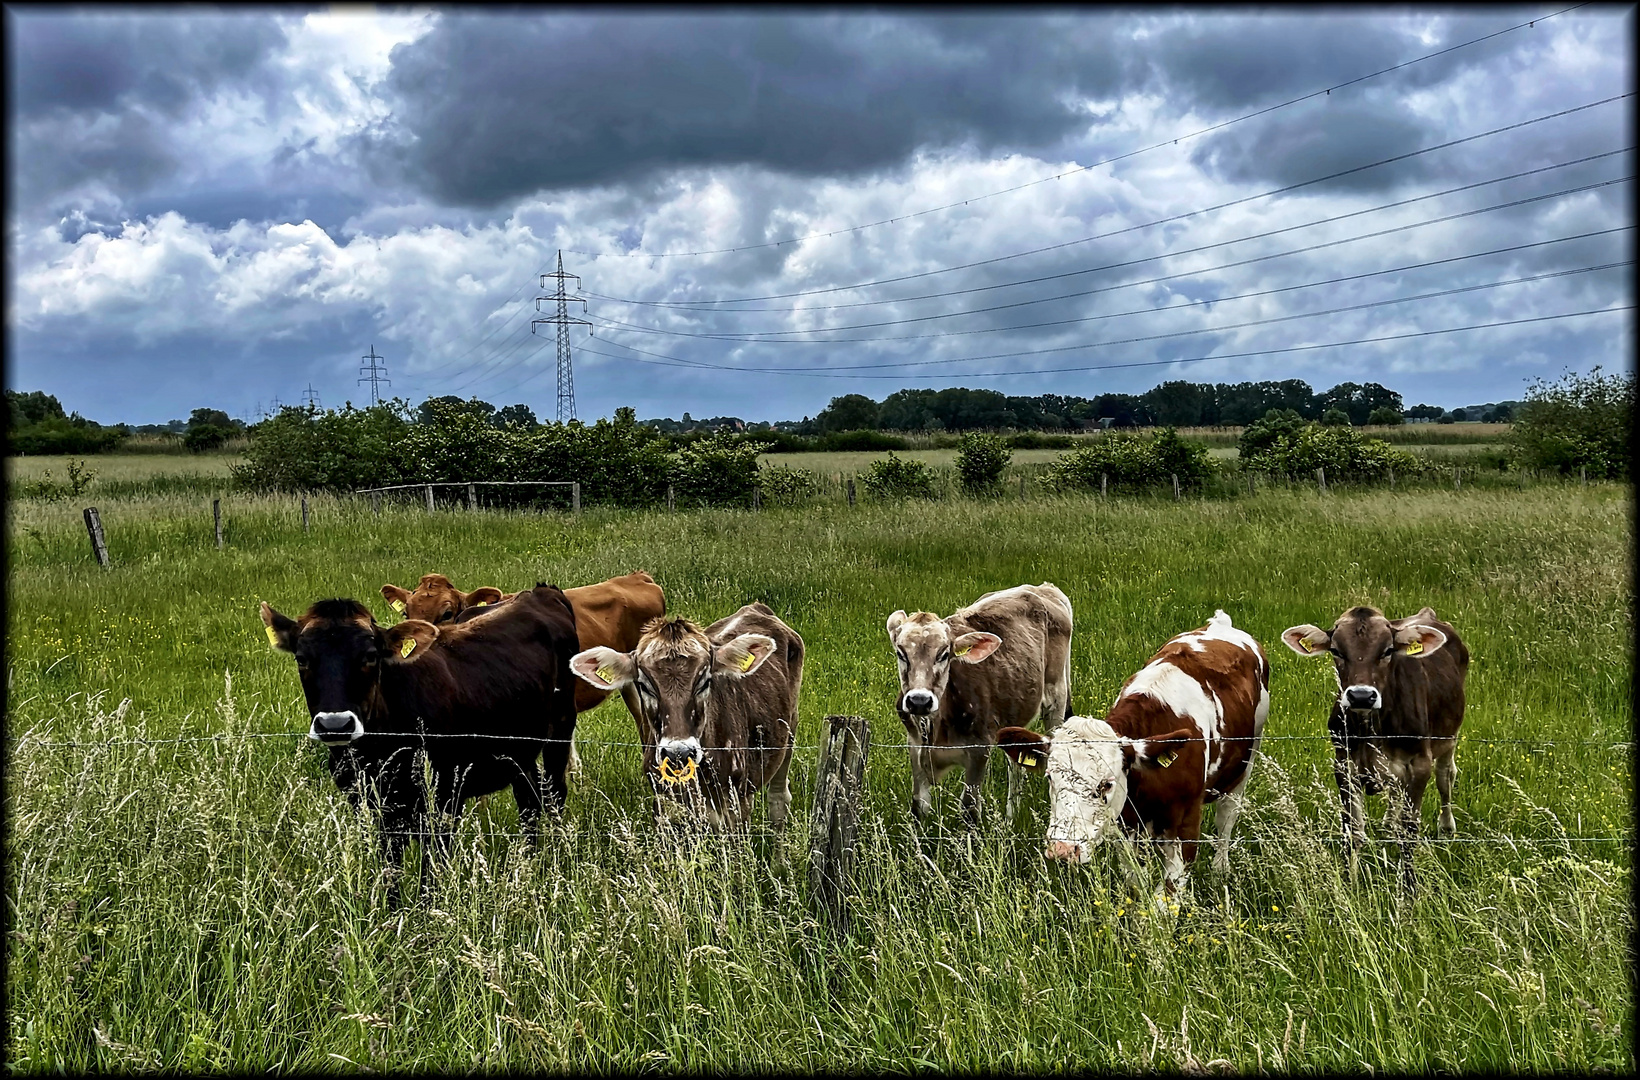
[1335, 418]
[860, 440]
[981, 457]
[202, 437]
[1130, 461]
[72, 487]
[784, 485]
[1342, 451]
[1263, 434]
[898, 478]
[718, 469]
[1386, 416]
[1036, 440]
[304, 449]
[1579, 422]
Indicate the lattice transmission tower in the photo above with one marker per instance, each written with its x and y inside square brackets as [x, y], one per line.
[374, 374]
[563, 321]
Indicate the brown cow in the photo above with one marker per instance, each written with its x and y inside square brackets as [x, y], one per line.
[1182, 733]
[379, 695]
[1013, 665]
[1396, 718]
[610, 614]
[719, 709]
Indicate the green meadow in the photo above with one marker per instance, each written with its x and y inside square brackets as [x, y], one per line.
[212, 905]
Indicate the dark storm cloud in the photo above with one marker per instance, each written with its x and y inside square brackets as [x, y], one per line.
[1293, 148]
[491, 107]
[93, 93]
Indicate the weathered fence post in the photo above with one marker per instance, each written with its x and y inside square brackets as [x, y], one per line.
[671, 499]
[1392, 478]
[757, 498]
[1583, 475]
[575, 497]
[1175, 486]
[1021, 485]
[1103, 483]
[835, 816]
[429, 498]
[216, 514]
[93, 526]
[304, 514]
[1250, 483]
[851, 491]
[1321, 480]
[1457, 483]
[376, 502]
[472, 497]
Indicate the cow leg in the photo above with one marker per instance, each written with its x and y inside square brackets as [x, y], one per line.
[922, 788]
[1446, 774]
[1224, 818]
[527, 791]
[1013, 790]
[554, 771]
[973, 779]
[780, 791]
[1416, 778]
[1353, 806]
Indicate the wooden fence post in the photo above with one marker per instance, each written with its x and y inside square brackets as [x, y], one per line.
[575, 497]
[1457, 483]
[429, 498]
[757, 498]
[472, 497]
[835, 817]
[1392, 478]
[671, 499]
[376, 502]
[304, 514]
[1321, 480]
[851, 491]
[1583, 475]
[216, 513]
[1021, 485]
[1175, 486]
[93, 527]
[1250, 483]
[1103, 484]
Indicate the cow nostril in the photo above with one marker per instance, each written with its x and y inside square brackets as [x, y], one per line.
[1064, 850]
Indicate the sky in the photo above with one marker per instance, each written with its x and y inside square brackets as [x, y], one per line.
[768, 208]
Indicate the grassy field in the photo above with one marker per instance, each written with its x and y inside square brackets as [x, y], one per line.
[208, 906]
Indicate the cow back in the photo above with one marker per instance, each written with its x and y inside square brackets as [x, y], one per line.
[1006, 688]
[759, 710]
[1427, 692]
[612, 614]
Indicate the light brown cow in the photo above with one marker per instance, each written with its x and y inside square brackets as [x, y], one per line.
[610, 614]
[1396, 718]
[719, 710]
[1182, 732]
[1003, 660]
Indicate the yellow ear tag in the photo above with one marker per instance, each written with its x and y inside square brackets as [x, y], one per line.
[1164, 760]
[396, 605]
[1033, 759]
[408, 646]
[746, 662]
[1414, 648]
[273, 638]
[963, 651]
[677, 776]
[482, 603]
[607, 674]
[1304, 643]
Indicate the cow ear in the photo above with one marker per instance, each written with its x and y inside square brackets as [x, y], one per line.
[1307, 640]
[396, 597]
[281, 631]
[1025, 747]
[973, 647]
[895, 621]
[742, 656]
[604, 668]
[1158, 751]
[409, 640]
[482, 597]
[1418, 640]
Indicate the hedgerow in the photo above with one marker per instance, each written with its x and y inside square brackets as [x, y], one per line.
[1130, 461]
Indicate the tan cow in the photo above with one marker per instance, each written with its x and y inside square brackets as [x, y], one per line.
[719, 710]
[1003, 660]
[610, 614]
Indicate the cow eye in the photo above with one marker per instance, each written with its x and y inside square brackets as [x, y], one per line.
[945, 654]
[900, 654]
[445, 617]
[1104, 786]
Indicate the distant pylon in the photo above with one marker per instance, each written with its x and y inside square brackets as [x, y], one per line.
[312, 395]
[374, 374]
[561, 319]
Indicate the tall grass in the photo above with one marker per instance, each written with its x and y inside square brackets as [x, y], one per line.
[213, 906]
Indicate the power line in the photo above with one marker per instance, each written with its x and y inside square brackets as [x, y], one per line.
[374, 375]
[563, 321]
[673, 361]
[1323, 92]
[1327, 220]
[1149, 224]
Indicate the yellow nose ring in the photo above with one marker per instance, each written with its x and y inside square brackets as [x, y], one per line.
[677, 776]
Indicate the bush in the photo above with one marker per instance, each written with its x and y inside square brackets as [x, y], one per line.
[898, 478]
[1263, 434]
[860, 440]
[304, 449]
[76, 484]
[1579, 422]
[1129, 461]
[784, 485]
[206, 437]
[720, 469]
[1335, 418]
[780, 442]
[1386, 416]
[981, 457]
[1342, 451]
[1036, 440]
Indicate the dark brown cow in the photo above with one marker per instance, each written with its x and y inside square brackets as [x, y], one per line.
[379, 695]
[1182, 733]
[1396, 718]
[718, 709]
[1004, 659]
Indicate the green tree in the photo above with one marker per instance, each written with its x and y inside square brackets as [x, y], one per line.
[1335, 417]
[981, 457]
[1577, 422]
[850, 412]
[1386, 416]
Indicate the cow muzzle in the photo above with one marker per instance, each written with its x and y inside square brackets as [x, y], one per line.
[1066, 851]
[919, 702]
[1362, 698]
[677, 759]
[336, 728]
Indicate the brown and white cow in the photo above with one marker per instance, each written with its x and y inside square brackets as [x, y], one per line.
[610, 614]
[1182, 733]
[717, 709]
[1004, 659]
[1396, 718]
